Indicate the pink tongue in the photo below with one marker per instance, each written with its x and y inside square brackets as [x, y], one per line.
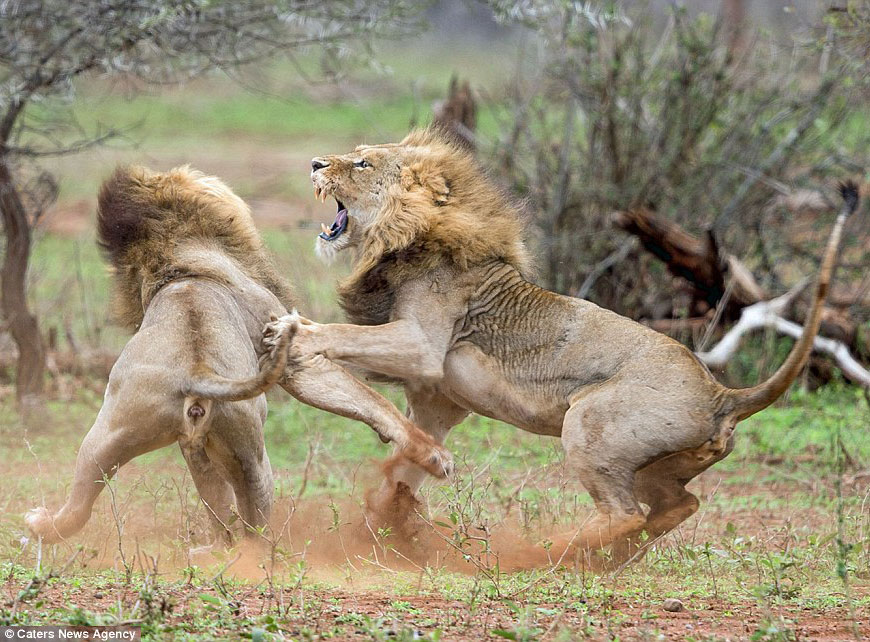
[340, 218]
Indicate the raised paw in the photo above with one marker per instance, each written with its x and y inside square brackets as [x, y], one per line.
[434, 459]
[277, 327]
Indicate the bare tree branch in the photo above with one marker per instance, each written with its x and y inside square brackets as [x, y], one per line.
[767, 314]
[816, 104]
[601, 268]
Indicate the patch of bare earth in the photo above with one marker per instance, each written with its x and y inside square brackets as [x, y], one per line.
[345, 557]
[344, 615]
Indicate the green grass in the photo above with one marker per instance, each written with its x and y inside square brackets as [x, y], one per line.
[807, 425]
[178, 117]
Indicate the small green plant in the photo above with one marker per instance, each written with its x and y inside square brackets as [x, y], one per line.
[525, 629]
[774, 630]
[381, 630]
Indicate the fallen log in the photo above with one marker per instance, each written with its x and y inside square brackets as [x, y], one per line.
[699, 261]
[721, 279]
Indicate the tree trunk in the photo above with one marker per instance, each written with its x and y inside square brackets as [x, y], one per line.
[22, 324]
[734, 15]
[458, 113]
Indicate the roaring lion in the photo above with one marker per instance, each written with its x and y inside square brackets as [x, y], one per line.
[193, 279]
[441, 301]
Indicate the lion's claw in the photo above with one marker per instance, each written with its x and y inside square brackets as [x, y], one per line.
[439, 463]
[275, 329]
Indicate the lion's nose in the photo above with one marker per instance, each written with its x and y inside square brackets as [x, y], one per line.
[318, 163]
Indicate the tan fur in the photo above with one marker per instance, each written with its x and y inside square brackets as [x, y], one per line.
[192, 276]
[442, 271]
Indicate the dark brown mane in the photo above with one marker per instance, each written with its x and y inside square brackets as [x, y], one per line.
[143, 219]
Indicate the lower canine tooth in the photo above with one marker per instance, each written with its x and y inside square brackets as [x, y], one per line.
[325, 229]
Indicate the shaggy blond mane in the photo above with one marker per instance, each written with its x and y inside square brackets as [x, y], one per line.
[444, 211]
[146, 218]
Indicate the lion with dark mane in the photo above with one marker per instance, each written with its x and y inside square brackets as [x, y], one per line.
[442, 302]
[194, 281]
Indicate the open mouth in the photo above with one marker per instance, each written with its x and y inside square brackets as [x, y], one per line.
[339, 225]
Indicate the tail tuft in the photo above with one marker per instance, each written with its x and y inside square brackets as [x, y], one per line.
[850, 192]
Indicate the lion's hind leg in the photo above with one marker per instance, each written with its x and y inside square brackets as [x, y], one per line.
[103, 451]
[633, 443]
[609, 479]
[670, 505]
[661, 485]
[595, 453]
[235, 452]
[215, 492]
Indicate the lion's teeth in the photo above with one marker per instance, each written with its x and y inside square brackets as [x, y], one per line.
[325, 229]
[316, 192]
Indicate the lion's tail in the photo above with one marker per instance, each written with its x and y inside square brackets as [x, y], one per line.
[206, 384]
[748, 401]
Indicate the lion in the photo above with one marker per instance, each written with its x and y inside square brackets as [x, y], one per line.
[193, 279]
[440, 299]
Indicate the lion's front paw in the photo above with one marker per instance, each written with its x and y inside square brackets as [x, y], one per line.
[293, 324]
[278, 327]
[306, 337]
[434, 459]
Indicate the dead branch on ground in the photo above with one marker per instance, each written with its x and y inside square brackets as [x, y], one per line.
[700, 262]
[768, 314]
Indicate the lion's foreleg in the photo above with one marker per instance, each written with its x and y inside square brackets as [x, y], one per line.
[400, 349]
[435, 414]
[318, 382]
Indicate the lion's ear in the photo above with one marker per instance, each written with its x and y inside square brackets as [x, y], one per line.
[430, 179]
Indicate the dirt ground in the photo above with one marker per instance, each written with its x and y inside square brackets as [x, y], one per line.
[355, 588]
[710, 619]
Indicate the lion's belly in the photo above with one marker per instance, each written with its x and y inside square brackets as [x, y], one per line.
[476, 381]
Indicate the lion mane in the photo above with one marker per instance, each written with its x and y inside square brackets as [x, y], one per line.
[445, 211]
[144, 218]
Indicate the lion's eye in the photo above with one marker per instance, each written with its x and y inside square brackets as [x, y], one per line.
[362, 163]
